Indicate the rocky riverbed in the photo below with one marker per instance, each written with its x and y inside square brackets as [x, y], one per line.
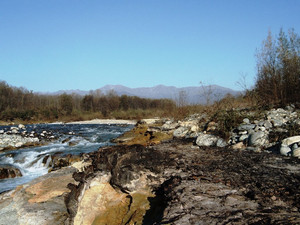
[171, 183]
[58, 145]
[173, 172]
[14, 137]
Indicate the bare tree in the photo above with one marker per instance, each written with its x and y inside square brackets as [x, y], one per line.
[207, 93]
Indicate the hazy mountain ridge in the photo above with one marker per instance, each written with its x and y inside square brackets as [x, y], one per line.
[193, 95]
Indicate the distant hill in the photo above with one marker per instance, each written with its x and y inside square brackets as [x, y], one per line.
[193, 95]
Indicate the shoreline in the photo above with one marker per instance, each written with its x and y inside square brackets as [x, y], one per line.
[104, 121]
[93, 121]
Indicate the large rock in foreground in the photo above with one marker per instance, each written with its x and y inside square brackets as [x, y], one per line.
[178, 183]
[39, 202]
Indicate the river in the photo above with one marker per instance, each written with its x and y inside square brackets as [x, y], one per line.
[84, 138]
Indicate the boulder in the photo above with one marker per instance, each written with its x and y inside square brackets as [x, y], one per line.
[243, 137]
[258, 138]
[142, 135]
[14, 131]
[19, 144]
[180, 132]
[290, 140]
[150, 121]
[290, 146]
[21, 126]
[111, 206]
[41, 201]
[221, 143]
[277, 122]
[9, 171]
[295, 146]
[296, 152]
[246, 121]
[169, 125]
[59, 160]
[267, 124]
[211, 126]
[285, 150]
[73, 143]
[206, 140]
[246, 127]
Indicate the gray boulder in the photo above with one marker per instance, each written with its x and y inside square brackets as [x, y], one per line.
[246, 127]
[277, 122]
[180, 132]
[169, 125]
[267, 124]
[285, 150]
[289, 146]
[258, 138]
[243, 137]
[206, 140]
[290, 140]
[221, 143]
[246, 120]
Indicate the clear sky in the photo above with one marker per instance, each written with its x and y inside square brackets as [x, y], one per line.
[49, 45]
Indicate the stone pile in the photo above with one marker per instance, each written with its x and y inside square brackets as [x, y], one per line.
[250, 135]
[189, 127]
[16, 141]
[18, 136]
[255, 135]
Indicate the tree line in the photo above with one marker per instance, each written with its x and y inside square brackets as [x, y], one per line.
[277, 84]
[278, 69]
[19, 103]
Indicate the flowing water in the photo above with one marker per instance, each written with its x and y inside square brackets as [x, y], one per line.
[85, 137]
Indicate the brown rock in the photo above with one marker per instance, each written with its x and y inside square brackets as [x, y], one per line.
[41, 201]
[9, 171]
[103, 204]
[49, 188]
[143, 135]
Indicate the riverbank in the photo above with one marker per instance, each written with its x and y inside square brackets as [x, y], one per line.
[176, 172]
[174, 182]
[93, 121]
[105, 121]
[19, 135]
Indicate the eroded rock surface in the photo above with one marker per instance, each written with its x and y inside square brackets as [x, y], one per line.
[187, 185]
[174, 182]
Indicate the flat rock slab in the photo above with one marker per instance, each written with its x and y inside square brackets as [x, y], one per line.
[41, 201]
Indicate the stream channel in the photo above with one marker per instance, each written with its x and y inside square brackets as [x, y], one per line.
[87, 138]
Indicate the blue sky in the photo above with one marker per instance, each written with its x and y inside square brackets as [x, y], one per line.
[49, 45]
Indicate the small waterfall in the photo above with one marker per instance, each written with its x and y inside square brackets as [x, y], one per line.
[72, 139]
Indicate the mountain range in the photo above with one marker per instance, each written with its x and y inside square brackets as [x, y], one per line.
[191, 95]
